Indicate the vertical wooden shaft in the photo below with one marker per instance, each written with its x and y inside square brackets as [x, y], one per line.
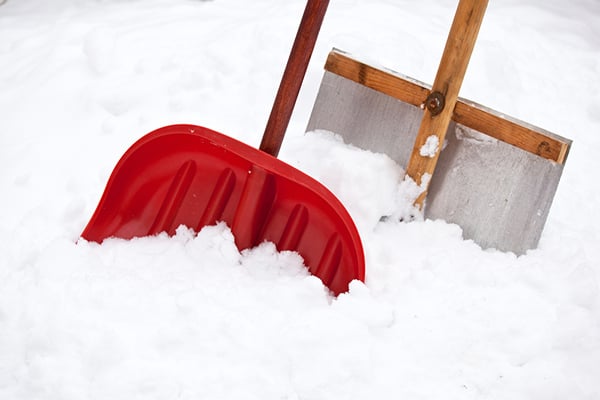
[440, 104]
[293, 76]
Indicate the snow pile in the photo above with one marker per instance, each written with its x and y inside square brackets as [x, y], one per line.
[193, 317]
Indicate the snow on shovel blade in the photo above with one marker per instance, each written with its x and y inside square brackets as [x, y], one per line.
[193, 176]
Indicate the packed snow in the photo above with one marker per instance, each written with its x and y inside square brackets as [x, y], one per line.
[190, 316]
[430, 147]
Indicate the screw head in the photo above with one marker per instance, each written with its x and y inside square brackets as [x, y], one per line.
[435, 103]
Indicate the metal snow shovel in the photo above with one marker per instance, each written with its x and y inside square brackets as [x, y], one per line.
[193, 176]
[495, 176]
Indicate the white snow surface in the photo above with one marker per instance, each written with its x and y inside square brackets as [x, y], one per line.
[191, 317]
[430, 147]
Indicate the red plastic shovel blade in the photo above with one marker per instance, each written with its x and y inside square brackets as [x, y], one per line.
[193, 176]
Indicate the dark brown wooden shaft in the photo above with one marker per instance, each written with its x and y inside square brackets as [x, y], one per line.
[293, 76]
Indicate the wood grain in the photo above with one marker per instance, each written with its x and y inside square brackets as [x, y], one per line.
[295, 69]
[448, 80]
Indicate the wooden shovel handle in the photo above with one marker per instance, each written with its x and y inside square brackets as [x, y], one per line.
[439, 106]
[293, 76]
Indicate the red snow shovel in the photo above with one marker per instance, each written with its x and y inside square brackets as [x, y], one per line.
[193, 176]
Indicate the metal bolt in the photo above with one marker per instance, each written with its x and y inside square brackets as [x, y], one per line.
[435, 103]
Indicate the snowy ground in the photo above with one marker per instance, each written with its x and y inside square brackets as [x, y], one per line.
[190, 317]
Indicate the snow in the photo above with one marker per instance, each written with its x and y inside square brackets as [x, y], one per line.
[430, 147]
[191, 316]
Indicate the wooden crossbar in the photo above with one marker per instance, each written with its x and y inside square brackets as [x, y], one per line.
[494, 124]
